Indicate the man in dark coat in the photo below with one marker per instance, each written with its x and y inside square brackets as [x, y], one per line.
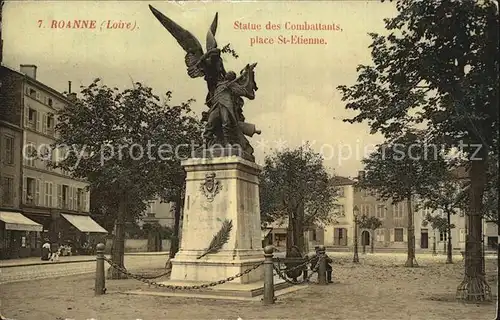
[329, 261]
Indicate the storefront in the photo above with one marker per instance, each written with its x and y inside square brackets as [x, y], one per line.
[81, 232]
[18, 235]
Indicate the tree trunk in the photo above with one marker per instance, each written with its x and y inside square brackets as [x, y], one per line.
[372, 243]
[174, 242]
[449, 251]
[295, 233]
[301, 241]
[118, 248]
[434, 244]
[410, 260]
[474, 286]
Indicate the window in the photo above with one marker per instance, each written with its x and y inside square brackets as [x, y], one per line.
[49, 193]
[85, 201]
[30, 190]
[74, 195]
[341, 233]
[31, 115]
[50, 102]
[32, 93]
[65, 197]
[461, 235]
[9, 150]
[50, 121]
[30, 154]
[59, 196]
[79, 202]
[380, 211]
[48, 124]
[398, 210]
[398, 235]
[443, 236]
[7, 191]
[380, 235]
[341, 210]
[314, 235]
[365, 209]
[364, 193]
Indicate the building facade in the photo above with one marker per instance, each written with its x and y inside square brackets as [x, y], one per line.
[393, 234]
[159, 212]
[340, 234]
[50, 197]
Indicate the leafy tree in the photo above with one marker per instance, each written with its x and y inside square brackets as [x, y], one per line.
[438, 67]
[295, 184]
[445, 196]
[443, 226]
[490, 198]
[126, 145]
[371, 223]
[400, 171]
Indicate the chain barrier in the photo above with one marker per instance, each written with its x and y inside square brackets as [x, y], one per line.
[172, 287]
[166, 273]
[283, 275]
[284, 261]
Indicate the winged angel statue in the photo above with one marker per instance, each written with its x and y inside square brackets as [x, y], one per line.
[225, 124]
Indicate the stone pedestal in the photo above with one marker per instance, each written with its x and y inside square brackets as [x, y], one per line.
[218, 189]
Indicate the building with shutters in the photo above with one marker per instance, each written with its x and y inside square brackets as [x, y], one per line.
[340, 234]
[55, 203]
[393, 234]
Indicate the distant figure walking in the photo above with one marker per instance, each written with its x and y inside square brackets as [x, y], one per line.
[46, 252]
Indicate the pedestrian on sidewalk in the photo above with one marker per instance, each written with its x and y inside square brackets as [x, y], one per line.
[46, 252]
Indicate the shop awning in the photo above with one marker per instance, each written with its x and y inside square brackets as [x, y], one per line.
[84, 223]
[16, 221]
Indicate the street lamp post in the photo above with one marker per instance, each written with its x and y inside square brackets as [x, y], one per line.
[356, 213]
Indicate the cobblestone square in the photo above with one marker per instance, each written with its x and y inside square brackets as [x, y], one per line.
[378, 288]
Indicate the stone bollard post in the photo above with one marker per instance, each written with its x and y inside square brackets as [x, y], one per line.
[268, 276]
[100, 282]
[322, 266]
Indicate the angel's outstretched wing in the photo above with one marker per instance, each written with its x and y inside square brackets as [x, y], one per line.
[211, 43]
[188, 42]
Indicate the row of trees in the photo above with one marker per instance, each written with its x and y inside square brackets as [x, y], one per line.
[118, 144]
[435, 70]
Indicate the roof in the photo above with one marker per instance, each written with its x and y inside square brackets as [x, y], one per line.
[45, 87]
[342, 181]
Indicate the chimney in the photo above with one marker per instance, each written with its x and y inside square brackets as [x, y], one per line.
[29, 70]
[69, 86]
[361, 175]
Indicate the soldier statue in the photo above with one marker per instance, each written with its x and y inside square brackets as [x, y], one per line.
[225, 125]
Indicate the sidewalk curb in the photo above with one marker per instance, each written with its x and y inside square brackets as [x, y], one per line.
[44, 263]
[144, 254]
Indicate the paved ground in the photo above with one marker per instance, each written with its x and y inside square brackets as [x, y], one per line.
[54, 269]
[378, 288]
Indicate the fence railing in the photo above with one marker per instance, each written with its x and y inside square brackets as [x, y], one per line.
[271, 265]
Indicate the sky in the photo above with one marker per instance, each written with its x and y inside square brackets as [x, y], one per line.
[297, 100]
